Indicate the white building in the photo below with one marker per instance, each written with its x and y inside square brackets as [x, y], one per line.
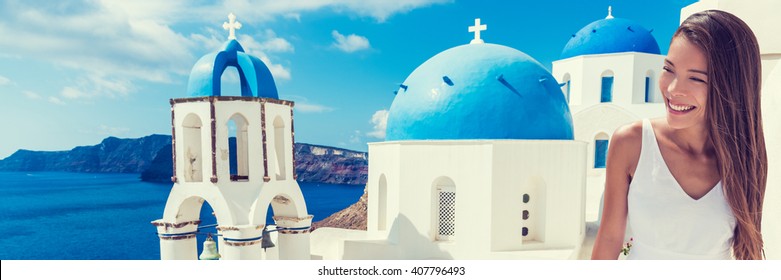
[609, 72]
[238, 181]
[479, 163]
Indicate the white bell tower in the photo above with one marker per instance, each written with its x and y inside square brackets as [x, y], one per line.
[234, 152]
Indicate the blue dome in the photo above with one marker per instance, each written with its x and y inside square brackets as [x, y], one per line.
[613, 35]
[256, 79]
[479, 91]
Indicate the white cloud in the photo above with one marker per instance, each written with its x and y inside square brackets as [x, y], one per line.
[32, 95]
[303, 105]
[380, 121]
[4, 81]
[55, 100]
[113, 131]
[349, 43]
[72, 93]
[355, 137]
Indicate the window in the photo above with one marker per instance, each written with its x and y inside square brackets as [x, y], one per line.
[279, 147]
[566, 87]
[600, 151]
[648, 90]
[192, 159]
[447, 214]
[238, 153]
[607, 89]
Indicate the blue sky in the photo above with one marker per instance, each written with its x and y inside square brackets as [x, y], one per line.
[75, 72]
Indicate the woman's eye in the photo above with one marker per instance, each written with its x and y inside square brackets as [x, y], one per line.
[667, 69]
[697, 80]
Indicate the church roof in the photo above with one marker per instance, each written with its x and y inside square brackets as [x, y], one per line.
[610, 35]
[255, 77]
[479, 91]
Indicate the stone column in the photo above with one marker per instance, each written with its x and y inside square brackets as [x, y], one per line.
[293, 237]
[177, 240]
[240, 242]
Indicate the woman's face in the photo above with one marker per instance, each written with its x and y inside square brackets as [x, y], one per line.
[684, 84]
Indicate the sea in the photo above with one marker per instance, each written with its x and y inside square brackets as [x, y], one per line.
[98, 216]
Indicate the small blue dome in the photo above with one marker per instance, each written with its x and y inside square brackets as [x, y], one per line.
[612, 35]
[479, 91]
[206, 75]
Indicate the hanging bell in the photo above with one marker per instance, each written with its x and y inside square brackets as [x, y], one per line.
[266, 241]
[209, 250]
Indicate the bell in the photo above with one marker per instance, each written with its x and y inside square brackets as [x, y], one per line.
[209, 250]
[266, 241]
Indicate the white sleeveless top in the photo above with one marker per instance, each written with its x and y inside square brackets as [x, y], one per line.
[665, 222]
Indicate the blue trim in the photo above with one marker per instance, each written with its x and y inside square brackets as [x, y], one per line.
[241, 239]
[176, 234]
[647, 89]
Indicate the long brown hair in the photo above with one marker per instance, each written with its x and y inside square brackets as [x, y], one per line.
[735, 120]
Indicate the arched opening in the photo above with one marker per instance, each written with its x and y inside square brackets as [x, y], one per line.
[382, 204]
[230, 82]
[238, 144]
[566, 86]
[533, 200]
[607, 87]
[193, 153]
[198, 210]
[279, 147]
[649, 93]
[445, 202]
[600, 150]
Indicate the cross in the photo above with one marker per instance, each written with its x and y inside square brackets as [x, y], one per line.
[231, 25]
[476, 29]
[609, 12]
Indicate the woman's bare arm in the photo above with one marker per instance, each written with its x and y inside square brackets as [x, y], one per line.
[622, 156]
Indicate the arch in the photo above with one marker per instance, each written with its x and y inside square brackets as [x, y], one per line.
[193, 150]
[533, 210]
[188, 208]
[279, 147]
[607, 86]
[382, 203]
[444, 218]
[566, 86]
[600, 149]
[650, 97]
[256, 79]
[238, 147]
[292, 204]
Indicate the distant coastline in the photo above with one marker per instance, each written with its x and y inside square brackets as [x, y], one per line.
[150, 156]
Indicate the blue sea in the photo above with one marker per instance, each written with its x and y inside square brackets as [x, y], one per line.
[90, 216]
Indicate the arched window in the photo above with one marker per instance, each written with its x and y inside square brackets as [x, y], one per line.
[382, 204]
[566, 86]
[445, 202]
[600, 150]
[230, 82]
[238, 148]
[193, 153]
[649, 93]
[607, 87]
[279, 147]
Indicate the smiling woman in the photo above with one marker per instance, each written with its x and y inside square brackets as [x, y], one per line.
[691, 185]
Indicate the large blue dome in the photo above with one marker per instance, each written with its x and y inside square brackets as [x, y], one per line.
[613, 35]
[256, 79]
[479, 91]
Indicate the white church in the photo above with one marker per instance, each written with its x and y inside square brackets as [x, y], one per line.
[487, 154]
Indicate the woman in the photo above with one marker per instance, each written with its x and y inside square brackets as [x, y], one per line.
[690, 185]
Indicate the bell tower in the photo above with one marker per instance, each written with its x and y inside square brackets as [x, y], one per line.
[234, 151]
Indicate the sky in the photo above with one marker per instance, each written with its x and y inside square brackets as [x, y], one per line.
[75, 72]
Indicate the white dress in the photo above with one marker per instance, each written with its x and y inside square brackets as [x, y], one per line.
[665, 222]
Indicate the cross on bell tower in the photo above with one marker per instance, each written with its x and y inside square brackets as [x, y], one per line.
[476, 29]
[231, 26]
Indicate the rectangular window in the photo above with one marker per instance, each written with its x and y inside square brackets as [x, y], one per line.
[647, 89]
[607, 89]
[447, 214]
[569, 85]
[600, 153]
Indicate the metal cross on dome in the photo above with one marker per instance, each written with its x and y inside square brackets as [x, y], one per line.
[231, 26]
[476, 29]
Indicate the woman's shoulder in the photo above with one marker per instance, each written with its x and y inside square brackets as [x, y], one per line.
[625, 146]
